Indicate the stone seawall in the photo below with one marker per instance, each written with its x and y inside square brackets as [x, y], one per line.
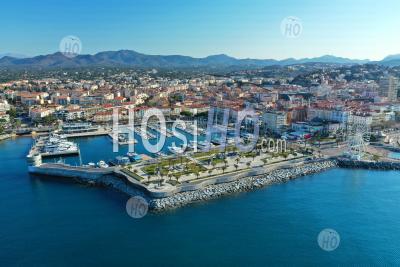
[372, 165]
[185, 194]
[5, 136]
[94, 176]
[243, 184]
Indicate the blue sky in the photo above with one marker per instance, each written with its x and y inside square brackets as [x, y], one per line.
[240, 28]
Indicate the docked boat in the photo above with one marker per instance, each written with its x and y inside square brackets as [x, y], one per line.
[58, 144]
[204, 145]
[216, 141]
[133, 157]
[248, 137]
[192, 145]
[159, 154]
[230, 141]
[176, 149]
[119, 160]
[102, 164]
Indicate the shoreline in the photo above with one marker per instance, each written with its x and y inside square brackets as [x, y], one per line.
[245, 184]
[369, 165]
[186, 193]
[7, 136]
[160, 201]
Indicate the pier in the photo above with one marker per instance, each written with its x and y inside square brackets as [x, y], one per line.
[99, 132]
[157, 128]
[82, 130]
[191, 129]
[145, 135]
[123, 141]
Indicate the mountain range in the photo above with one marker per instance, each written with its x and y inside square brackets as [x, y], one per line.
[129, 58]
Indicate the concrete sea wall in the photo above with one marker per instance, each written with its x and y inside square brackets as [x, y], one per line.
[372, 165]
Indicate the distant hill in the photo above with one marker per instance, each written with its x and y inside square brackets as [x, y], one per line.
[129, 58]
[391, 60]
[12, 55]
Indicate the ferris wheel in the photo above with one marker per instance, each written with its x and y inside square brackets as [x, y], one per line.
[358, 138]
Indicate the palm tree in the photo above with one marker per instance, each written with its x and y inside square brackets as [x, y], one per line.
[236, 166]
[223, 169]
[169, 163]
[213, 163]
[225, 150]
[258, 148]
[177, 176]
[248, 164]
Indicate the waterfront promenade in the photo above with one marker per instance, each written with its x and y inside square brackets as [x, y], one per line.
[158, 195]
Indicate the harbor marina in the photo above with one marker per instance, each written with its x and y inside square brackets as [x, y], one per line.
[54, 145]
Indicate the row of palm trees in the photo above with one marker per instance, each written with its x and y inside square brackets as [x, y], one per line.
[169, 174]
[171, 162]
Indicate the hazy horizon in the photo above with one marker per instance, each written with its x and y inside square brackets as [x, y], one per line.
[6, 53]
[241, 29]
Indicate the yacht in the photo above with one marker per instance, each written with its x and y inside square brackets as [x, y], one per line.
[133, 157]
[119, 160]
[176, 149]
[193, 144]
[230, 141]
[58, 144]
[102, 164]
[204, 145]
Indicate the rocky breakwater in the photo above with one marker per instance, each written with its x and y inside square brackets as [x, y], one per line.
[372, 165]
[240, 185]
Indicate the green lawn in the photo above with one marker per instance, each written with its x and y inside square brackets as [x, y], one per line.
[132, 174]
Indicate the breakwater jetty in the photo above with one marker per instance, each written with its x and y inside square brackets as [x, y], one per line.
[250, 183]
[167, 196]
[371, 165]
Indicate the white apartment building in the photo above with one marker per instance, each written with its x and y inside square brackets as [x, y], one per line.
[365, 119]
[275, 120]
[389, 87]
[4, 106]
[333, 115]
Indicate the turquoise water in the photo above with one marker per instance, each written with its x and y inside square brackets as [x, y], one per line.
[394, 155]
[52, 221]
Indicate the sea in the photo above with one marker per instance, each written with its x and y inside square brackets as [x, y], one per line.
[49, 221]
